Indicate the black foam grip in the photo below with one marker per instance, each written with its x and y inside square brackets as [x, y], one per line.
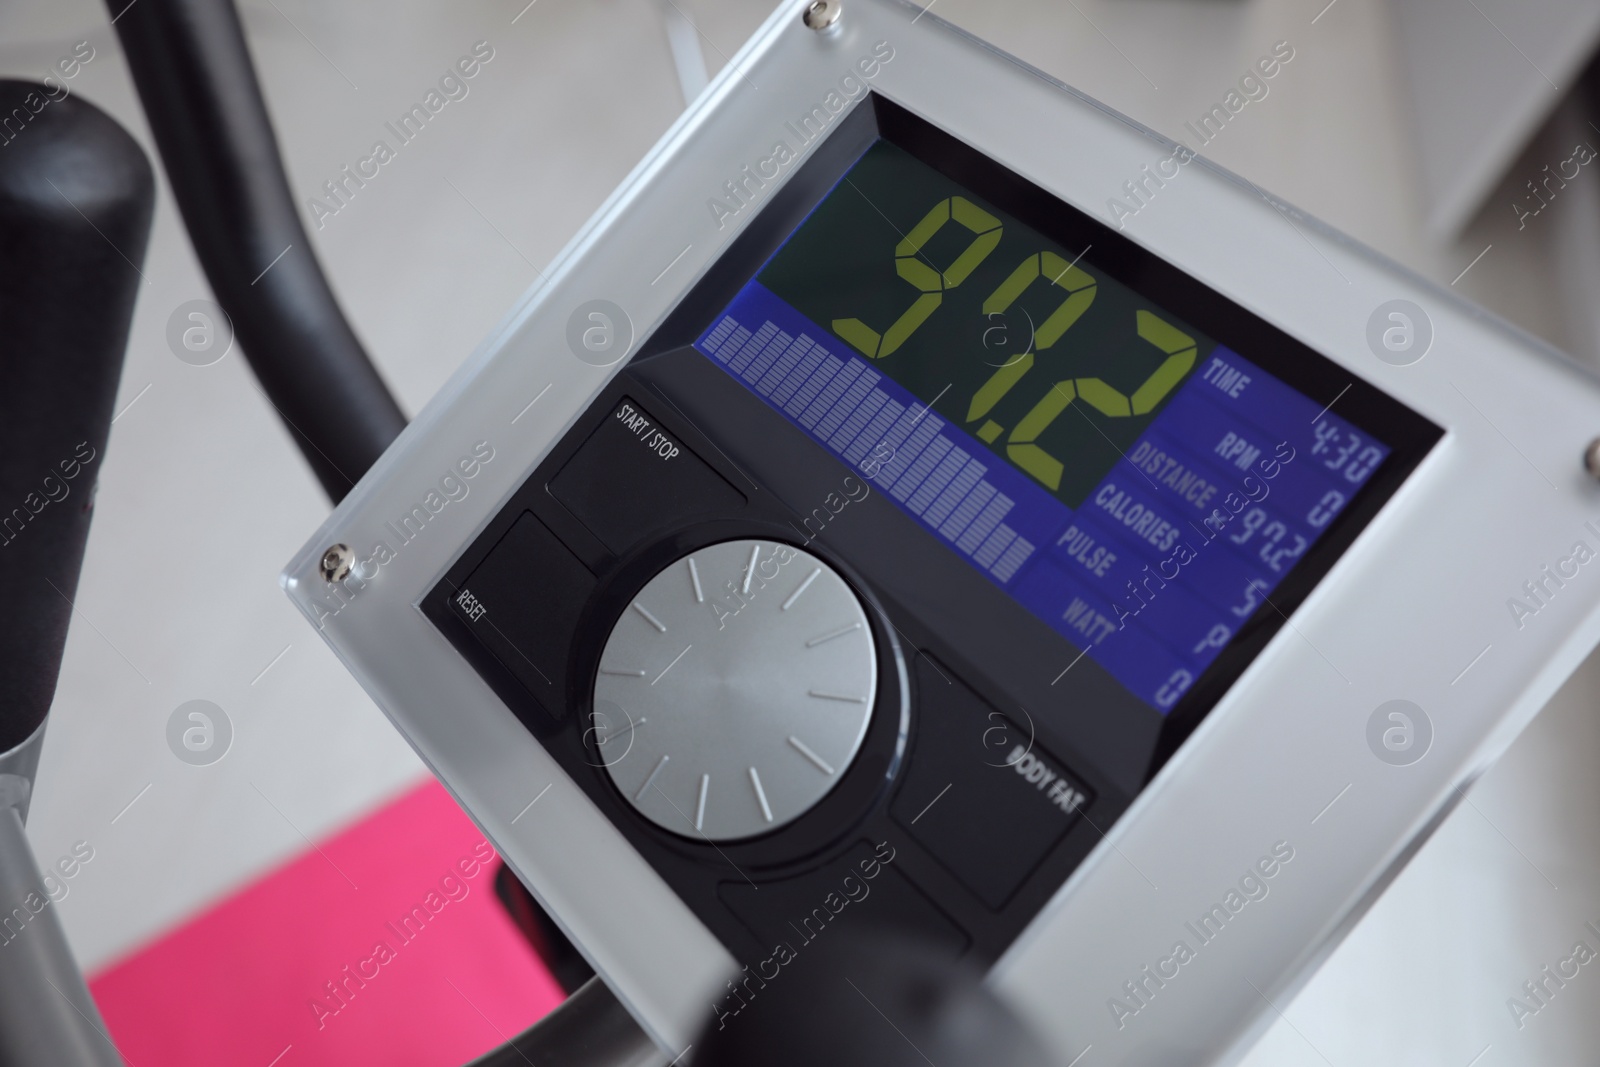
[76, 193]
[198, 86]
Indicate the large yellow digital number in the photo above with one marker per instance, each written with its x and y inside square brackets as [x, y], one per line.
[1021, 444]
[1080, 289]
[931, 283]
[1180, 350]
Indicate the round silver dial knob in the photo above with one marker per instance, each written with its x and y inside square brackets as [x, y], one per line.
[735, 689]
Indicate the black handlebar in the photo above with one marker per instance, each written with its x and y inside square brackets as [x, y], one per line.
[200, 96]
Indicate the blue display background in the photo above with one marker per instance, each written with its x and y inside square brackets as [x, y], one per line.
[1150, 581]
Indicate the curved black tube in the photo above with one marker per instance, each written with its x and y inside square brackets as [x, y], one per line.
[200, 95]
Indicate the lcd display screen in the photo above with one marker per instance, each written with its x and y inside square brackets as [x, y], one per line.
[1136, 485]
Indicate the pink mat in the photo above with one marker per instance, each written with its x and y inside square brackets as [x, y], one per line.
[383, 944]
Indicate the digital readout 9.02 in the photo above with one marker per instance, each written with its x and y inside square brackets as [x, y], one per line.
[1153, 487]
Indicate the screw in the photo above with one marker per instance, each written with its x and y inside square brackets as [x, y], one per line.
[1591, 458]
[823, 14]
[336, 563]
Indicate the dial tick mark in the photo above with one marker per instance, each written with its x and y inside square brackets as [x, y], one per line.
[651, 619]
[761, 794]
[800, 747]
[829, 636]
[638, 797]
[787, 604]
[750, 569]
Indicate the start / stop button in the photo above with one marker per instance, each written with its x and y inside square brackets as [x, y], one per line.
[633, 478]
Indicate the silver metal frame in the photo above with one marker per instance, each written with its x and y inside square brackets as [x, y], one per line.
[1417, 609]
[46, 1012]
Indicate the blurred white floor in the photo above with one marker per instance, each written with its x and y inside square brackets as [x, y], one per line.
[203, 498]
